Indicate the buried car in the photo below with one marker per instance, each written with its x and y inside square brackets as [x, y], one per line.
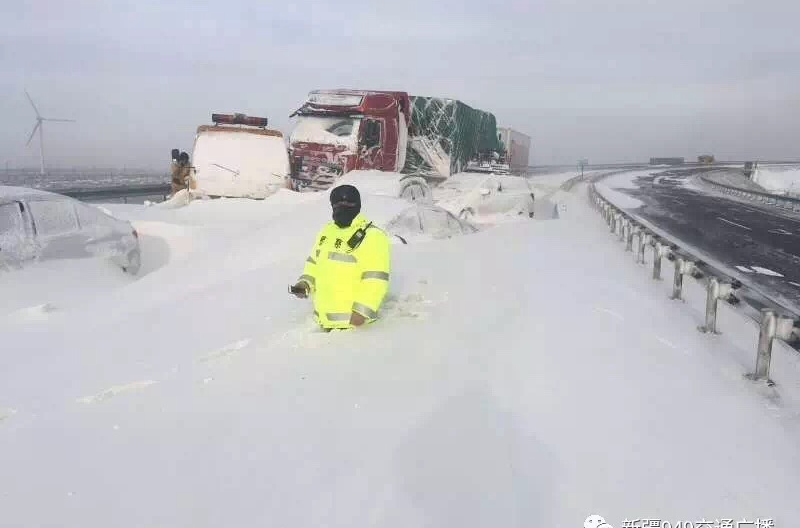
[495, 195]
[40, 225]
[422, 220]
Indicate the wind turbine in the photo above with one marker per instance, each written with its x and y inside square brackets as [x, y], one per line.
[39, 121]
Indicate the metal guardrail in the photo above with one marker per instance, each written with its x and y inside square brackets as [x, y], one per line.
[783, 202]
[120, 191]
[775, 321]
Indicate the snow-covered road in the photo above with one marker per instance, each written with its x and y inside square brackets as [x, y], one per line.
[527, 375]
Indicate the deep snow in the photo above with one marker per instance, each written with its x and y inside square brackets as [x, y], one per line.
[527, 375]
[779, 179]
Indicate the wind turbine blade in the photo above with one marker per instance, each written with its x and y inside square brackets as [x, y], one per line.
[33, 105]
[38, 124]
[62, 120]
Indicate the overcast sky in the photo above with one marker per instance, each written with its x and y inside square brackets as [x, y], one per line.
[608, 81]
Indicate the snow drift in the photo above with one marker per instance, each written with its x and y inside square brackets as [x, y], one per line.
[779, 179]
[526, 375]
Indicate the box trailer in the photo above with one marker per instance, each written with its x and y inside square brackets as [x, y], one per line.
[517, 147]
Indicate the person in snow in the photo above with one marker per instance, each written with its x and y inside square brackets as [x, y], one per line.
[347, 273]
[181, 172]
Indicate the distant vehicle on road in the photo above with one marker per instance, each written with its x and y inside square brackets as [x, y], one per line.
[39, 225]
[705, 158]
[667, 161]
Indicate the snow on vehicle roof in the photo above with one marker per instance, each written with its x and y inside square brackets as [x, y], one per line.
[258, 131]
[8, 192]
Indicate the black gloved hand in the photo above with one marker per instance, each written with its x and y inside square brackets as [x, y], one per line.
[299, 290]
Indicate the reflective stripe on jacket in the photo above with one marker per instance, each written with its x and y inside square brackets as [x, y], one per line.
[344, 280]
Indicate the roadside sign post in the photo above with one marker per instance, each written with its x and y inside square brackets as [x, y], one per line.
[581, 164]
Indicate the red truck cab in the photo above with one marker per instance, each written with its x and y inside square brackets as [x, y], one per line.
[342, 130]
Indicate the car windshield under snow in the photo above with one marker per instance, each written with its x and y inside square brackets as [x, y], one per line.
[327, 131]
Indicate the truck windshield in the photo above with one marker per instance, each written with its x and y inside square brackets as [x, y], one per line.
[327, 131]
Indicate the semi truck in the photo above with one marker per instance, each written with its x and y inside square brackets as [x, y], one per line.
[338, 131]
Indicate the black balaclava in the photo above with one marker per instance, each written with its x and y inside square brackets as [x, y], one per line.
[346, 204]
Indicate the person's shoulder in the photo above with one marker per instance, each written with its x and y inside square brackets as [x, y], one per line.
[327, 229]
[377, 234]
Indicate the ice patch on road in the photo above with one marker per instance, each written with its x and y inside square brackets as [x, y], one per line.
[780, 231]
[118, 389]
[765, 271]
[759, 270]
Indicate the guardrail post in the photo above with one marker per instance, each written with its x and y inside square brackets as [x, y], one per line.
[629, 241]
[772, 326]
[658, 252]
[765, 338]
[715, 292]
[677, 282]
[613, 223]
[623, 227]
[645, 241]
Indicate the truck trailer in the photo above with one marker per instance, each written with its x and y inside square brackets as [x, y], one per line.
[517, 148]
[338, 131]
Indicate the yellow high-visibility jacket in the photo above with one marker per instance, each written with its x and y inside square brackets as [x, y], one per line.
[344, 280]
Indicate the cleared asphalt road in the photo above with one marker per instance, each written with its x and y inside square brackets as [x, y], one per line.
[763, 242]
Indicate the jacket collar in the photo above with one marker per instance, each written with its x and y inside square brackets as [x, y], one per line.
[358, 221]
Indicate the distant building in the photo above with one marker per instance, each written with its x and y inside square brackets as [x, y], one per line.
[518, 147]
[666, 161]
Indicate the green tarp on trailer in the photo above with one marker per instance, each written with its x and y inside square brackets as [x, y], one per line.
[444, 134]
